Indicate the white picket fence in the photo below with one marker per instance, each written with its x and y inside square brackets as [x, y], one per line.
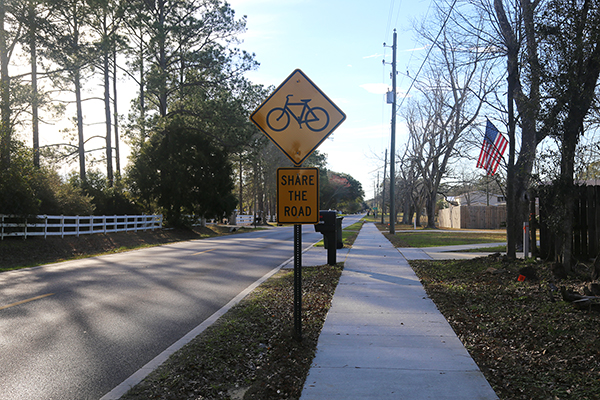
[243, 219]
[63, 225]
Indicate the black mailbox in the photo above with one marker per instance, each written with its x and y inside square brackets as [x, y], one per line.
[330, 225]
[327, 222]
[338, 230]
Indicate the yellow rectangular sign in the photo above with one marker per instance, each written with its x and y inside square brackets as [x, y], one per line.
[298, 195]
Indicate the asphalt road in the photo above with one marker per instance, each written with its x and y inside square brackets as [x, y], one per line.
[75, 330]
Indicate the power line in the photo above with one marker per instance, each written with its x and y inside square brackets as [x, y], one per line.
[428, 53]
[389, 22]
[398, 14]
[412, 53]
[383, 99]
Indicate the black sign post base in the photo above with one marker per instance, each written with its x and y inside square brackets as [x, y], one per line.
[298, 282]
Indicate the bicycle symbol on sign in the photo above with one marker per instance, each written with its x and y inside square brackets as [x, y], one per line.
[316, 119]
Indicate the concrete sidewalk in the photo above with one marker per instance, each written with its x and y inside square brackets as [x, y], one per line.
[385, 339]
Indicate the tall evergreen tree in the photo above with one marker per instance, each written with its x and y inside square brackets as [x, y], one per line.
[10, 34]
[70, 49]
[104, 20]
[185, 47]
[36, 17]
[183, 173]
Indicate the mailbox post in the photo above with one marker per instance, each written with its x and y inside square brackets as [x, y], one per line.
[330, 225]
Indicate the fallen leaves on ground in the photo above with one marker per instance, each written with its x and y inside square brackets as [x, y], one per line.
[527, 341]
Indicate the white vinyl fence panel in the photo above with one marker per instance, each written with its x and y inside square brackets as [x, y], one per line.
[243, 219]
[63, 225]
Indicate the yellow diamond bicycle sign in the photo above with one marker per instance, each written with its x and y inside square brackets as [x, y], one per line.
[297, 117]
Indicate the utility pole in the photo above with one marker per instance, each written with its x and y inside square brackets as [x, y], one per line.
[375, 190]
[383, 194]
[393, 144]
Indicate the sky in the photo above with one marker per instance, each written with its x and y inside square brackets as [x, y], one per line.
[338, 44]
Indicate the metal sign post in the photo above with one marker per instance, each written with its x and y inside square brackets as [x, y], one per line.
[298, 282]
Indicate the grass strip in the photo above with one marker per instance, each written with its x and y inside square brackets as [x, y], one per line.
[431, 238]
[496, 249]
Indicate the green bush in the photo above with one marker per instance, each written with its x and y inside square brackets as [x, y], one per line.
[28, 190]
[107, 199]
[58, 197]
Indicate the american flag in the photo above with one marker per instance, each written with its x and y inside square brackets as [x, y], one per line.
[494, 145]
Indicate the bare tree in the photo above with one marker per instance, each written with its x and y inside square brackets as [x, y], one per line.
[514, 26]
[452, 96]
[410, 196]
[570, 34]
[559, 40]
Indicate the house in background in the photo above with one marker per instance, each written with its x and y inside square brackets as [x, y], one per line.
[477, 198]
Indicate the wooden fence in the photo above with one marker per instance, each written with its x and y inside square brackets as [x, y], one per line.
[586, 225]
[62, 225]
[472, 217]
